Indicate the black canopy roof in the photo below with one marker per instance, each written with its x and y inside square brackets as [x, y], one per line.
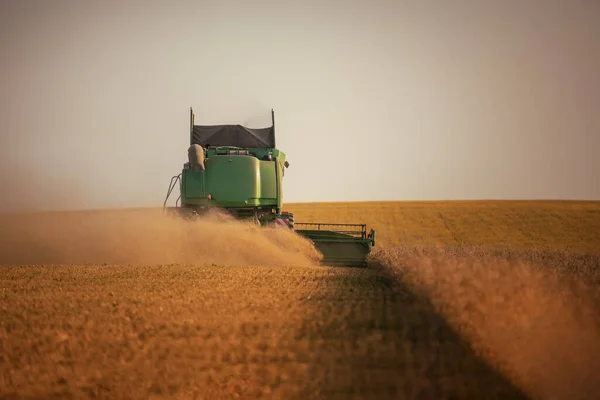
[233, 135]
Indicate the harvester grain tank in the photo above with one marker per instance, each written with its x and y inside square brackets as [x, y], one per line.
[240, 170]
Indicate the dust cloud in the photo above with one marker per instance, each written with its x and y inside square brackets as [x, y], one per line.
[529, 321]
[26, 188]
[146, 236]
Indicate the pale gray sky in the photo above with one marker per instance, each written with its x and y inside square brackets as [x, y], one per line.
[374, 100]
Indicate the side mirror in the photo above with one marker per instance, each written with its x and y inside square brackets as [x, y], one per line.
[286, 164]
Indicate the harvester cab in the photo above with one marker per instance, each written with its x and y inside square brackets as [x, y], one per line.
[239, 170]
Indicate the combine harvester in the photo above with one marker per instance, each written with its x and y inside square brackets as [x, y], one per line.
[240, 170]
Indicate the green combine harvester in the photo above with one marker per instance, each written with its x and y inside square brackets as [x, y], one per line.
[240, 170]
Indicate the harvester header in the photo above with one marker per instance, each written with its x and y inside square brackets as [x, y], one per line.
[239, 170]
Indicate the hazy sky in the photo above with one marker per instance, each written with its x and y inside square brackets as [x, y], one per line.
[374, 100]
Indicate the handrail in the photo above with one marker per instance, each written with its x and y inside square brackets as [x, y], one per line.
[331, 224]
[361, 229]
[172, 184]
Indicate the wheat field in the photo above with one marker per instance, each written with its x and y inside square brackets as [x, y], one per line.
[460, 300]
[526, 225]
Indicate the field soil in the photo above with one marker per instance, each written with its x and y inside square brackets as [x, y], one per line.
[130, 304]
[222, 332]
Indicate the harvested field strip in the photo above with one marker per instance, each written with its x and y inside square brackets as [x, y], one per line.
[217, 332]
[377, 340]
[509, 224]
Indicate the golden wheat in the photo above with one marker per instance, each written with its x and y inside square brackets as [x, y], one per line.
[221, 309]
[555, 225]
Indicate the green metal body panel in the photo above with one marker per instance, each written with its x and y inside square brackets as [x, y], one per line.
[350, 253]
[235, 181]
